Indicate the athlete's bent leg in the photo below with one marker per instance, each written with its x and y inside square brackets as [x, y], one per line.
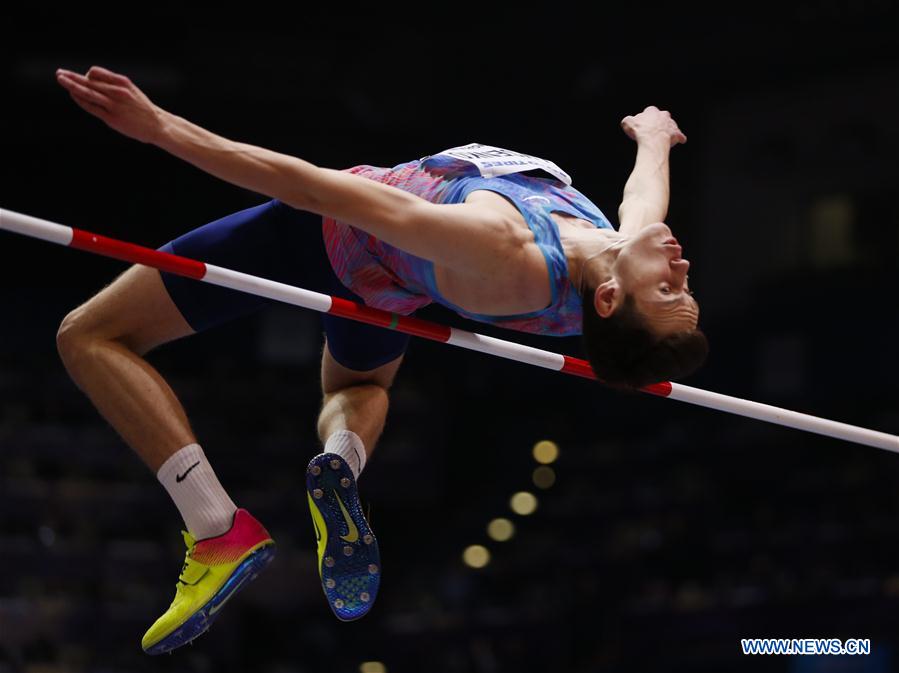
[101, 344]
[351, 421]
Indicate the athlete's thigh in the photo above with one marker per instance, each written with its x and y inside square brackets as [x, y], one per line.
[145, 308]
[254, 241]
[134, 309]
[336, 376]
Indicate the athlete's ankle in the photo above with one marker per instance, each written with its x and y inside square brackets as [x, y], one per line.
[348, 445]
[204, 505]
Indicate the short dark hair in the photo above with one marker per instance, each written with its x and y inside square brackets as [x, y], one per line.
[625, 354]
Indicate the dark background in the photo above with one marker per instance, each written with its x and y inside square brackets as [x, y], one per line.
[672, 531]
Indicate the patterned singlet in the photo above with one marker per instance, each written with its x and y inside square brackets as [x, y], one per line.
[393, 280]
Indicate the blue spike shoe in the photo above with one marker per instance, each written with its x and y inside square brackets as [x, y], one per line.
[348, 560]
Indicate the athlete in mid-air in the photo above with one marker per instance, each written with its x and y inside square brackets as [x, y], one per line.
[470, 228]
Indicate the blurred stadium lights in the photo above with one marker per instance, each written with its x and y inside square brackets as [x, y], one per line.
[544, 477]
[546, 452]
[372, 667]
[476, 556]
[501, 529]
[832, 222]
[523, 503]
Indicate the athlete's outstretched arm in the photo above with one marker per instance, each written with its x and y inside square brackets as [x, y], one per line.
[461, 236]
[646, 193]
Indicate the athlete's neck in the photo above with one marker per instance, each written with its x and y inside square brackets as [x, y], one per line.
[591, 253]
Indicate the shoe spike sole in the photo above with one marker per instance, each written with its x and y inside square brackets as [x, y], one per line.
[202, 619]
[350, 565]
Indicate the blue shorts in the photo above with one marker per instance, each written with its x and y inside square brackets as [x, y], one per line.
[281, 243]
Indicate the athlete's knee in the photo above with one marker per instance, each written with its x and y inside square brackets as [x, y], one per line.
[74, 337]
[367, 389]
[134, 311]
[336, 377]
[81, 331]
[358, 380]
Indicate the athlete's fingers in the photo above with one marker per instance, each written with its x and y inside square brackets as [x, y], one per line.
[103, 75]
[70, 82]
[112, 90]
[628, 128]
[73, 76]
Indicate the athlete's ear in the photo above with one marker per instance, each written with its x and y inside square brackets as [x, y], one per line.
[606, 299]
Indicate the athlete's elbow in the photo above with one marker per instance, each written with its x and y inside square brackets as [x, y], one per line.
[295, 194]
[300, 186]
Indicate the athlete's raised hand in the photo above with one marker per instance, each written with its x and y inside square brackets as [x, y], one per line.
[115, 99]
[653, 123]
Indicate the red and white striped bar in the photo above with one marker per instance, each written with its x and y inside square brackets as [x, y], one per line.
[235, 280]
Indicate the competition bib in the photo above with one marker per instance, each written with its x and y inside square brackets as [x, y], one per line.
[495, 161]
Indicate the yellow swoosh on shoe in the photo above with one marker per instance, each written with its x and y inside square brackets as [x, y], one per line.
[353, 532]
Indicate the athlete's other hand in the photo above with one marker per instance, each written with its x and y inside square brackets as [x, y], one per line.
[653, 123]
[116, 100]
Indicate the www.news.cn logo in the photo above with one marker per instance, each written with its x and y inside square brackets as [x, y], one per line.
[810, 646]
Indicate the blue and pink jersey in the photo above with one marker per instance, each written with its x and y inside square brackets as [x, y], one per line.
[393, 280]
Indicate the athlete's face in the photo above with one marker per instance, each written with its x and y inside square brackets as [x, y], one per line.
[651, 269]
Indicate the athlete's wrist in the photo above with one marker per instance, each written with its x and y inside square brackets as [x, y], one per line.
[656, 140]
[165, 134]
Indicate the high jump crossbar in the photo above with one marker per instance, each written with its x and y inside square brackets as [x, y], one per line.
[235, 280]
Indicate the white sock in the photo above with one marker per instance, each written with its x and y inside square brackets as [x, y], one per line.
[191, 482]
[348, 445]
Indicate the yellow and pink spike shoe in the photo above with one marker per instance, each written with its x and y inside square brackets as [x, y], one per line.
[349, 563]
[214, 570]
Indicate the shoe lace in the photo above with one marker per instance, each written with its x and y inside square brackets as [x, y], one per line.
[191, 543]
